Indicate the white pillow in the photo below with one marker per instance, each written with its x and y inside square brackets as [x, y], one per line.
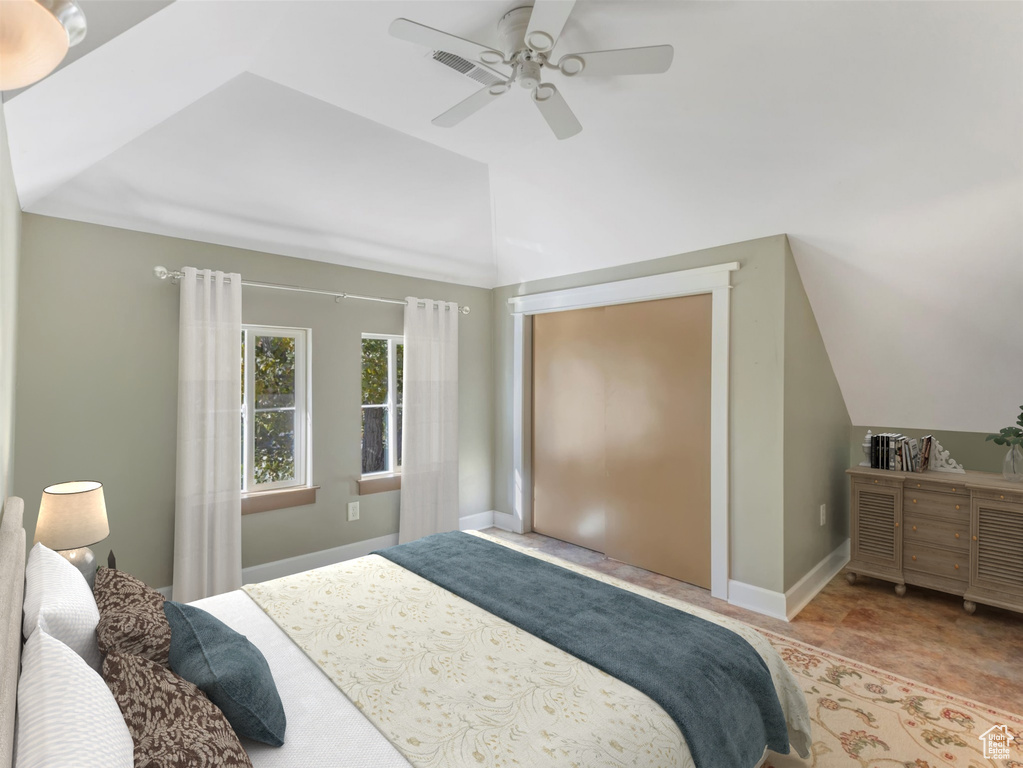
[67, 717]
[58, 599]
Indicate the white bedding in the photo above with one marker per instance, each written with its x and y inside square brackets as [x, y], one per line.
[324, 727]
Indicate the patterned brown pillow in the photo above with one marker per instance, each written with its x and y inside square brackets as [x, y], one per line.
[172, 723]
[131, 617]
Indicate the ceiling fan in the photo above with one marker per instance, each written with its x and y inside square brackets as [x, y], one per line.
[528, 36]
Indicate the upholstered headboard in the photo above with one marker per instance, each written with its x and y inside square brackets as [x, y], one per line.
[12, 592]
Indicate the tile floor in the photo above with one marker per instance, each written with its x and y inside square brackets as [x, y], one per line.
[925, 635]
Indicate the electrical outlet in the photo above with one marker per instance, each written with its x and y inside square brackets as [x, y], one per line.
[353, 511]
[824, 513]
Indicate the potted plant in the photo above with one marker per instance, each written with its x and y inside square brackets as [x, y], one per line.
[1012, 437]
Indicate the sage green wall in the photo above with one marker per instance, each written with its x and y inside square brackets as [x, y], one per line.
[10, 240]
[968, 448]
[757, 396]
[97, 385]
[816, 429]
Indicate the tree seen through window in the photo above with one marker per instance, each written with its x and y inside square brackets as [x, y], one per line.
[382, 363]
[272, 408]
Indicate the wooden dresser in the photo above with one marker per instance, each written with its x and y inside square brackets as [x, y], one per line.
[957, 533]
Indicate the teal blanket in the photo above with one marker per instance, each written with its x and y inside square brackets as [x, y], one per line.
[709, 680]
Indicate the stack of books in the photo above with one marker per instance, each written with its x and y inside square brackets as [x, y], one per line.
[898, 453]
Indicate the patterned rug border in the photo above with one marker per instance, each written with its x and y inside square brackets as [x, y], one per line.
[893, 677]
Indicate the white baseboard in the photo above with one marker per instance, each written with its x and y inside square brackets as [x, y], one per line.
[786, 606]
[806, 589]
[507, 522]
[754, 598]
[289, 565]
[286, 567]
[476, 522]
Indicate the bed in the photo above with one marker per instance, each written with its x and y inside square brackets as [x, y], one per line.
[380, 667]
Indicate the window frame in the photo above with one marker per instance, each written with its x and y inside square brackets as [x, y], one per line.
[391, 406]
[303, 408]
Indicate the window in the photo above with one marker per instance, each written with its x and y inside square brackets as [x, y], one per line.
[382, 362]
[275, 408]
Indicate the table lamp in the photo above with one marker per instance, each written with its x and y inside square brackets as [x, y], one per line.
[71, 517]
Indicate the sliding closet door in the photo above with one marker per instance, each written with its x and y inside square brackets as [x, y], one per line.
[568, 427]
[657, 421]
[621, 432]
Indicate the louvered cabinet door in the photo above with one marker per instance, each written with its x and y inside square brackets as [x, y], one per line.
[876, 521]
[997, 543]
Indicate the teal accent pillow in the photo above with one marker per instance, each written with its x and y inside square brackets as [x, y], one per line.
[229, 669]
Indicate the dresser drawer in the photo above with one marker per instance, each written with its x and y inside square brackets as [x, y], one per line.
[928, 530]
[998, 494]
[952, 506]
[912, 485]
[946, 563]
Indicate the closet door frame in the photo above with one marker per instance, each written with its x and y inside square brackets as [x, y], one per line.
[715, 280]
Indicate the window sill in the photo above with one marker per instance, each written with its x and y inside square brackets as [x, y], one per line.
[280, 498]
[379, 484]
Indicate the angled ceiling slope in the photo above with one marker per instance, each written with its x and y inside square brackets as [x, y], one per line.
[338, 188]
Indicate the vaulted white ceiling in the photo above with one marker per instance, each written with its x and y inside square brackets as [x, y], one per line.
[886, 138]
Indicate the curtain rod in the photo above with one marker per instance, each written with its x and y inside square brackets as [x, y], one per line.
[163, 273]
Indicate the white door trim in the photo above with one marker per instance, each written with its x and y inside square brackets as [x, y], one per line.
[715, 280]
[522, 424]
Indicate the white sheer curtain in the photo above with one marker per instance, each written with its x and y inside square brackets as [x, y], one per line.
[429, 454]
[207, 516]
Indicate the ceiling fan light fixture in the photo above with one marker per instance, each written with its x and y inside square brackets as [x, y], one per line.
[34, 38]
[529, 75]
[491, 57]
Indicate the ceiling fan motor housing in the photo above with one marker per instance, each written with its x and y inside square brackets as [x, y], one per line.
[512, 28]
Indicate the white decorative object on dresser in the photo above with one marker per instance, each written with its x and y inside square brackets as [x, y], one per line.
[942, 462]
[866, 449]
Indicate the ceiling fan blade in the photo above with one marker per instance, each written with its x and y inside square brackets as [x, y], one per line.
[555, 111]
[651, 60]
[421, 34]
[546, 22]
[468, 106]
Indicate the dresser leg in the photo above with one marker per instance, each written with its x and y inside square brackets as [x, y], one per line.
[900, 589]
[969, 606]
[850, 577]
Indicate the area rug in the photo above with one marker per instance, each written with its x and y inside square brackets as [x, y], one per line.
[864, 716]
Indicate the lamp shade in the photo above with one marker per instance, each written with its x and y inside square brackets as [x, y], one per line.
[34, 38]
[72, 515]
